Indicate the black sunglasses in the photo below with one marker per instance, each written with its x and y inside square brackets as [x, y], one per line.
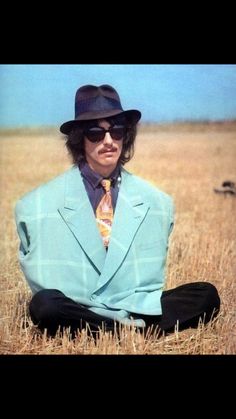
[96, 134]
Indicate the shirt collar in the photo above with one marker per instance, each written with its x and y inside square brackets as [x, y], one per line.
[94, 178]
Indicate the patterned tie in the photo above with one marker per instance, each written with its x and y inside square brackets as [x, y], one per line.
[104, 213]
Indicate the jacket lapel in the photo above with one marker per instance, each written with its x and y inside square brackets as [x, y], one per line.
[79, 218]
[129, 214]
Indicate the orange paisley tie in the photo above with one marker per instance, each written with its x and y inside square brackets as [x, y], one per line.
[104, 213]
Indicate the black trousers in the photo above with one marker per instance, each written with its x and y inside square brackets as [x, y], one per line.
[186, 304]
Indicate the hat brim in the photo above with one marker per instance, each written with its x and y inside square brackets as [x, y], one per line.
[132, 115]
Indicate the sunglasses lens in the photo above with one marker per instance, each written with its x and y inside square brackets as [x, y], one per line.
[95, 134]
[118, 132]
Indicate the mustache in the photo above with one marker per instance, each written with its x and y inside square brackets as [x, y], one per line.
[105, 150]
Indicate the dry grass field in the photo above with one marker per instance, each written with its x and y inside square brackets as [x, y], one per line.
[187, 161]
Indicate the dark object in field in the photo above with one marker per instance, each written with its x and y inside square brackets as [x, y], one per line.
[228, 183]
[228, 188]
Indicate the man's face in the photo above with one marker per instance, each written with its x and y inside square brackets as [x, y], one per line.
[103, 156]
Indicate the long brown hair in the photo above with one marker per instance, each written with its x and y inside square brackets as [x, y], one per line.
[75, 139]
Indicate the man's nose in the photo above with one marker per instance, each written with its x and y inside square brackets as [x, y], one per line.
[107, 139]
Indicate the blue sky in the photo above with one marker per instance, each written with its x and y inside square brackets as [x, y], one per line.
[35, 95]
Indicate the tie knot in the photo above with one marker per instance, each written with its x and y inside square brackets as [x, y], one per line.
[106, 183]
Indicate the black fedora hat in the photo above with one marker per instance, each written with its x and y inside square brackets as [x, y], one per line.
[97, 102]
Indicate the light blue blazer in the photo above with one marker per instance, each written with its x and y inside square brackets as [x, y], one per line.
[61, 247]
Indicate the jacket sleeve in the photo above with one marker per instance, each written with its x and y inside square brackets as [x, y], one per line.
[22, 231]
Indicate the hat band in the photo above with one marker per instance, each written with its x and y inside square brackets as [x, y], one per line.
[96, 104]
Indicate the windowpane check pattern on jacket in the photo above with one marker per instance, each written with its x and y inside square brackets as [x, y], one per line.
[104, 213]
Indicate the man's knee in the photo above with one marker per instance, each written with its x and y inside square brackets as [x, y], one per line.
[206, 293]
[45, 305]
[212, 296]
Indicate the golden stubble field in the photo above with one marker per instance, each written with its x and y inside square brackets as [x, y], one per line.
[187, 161]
